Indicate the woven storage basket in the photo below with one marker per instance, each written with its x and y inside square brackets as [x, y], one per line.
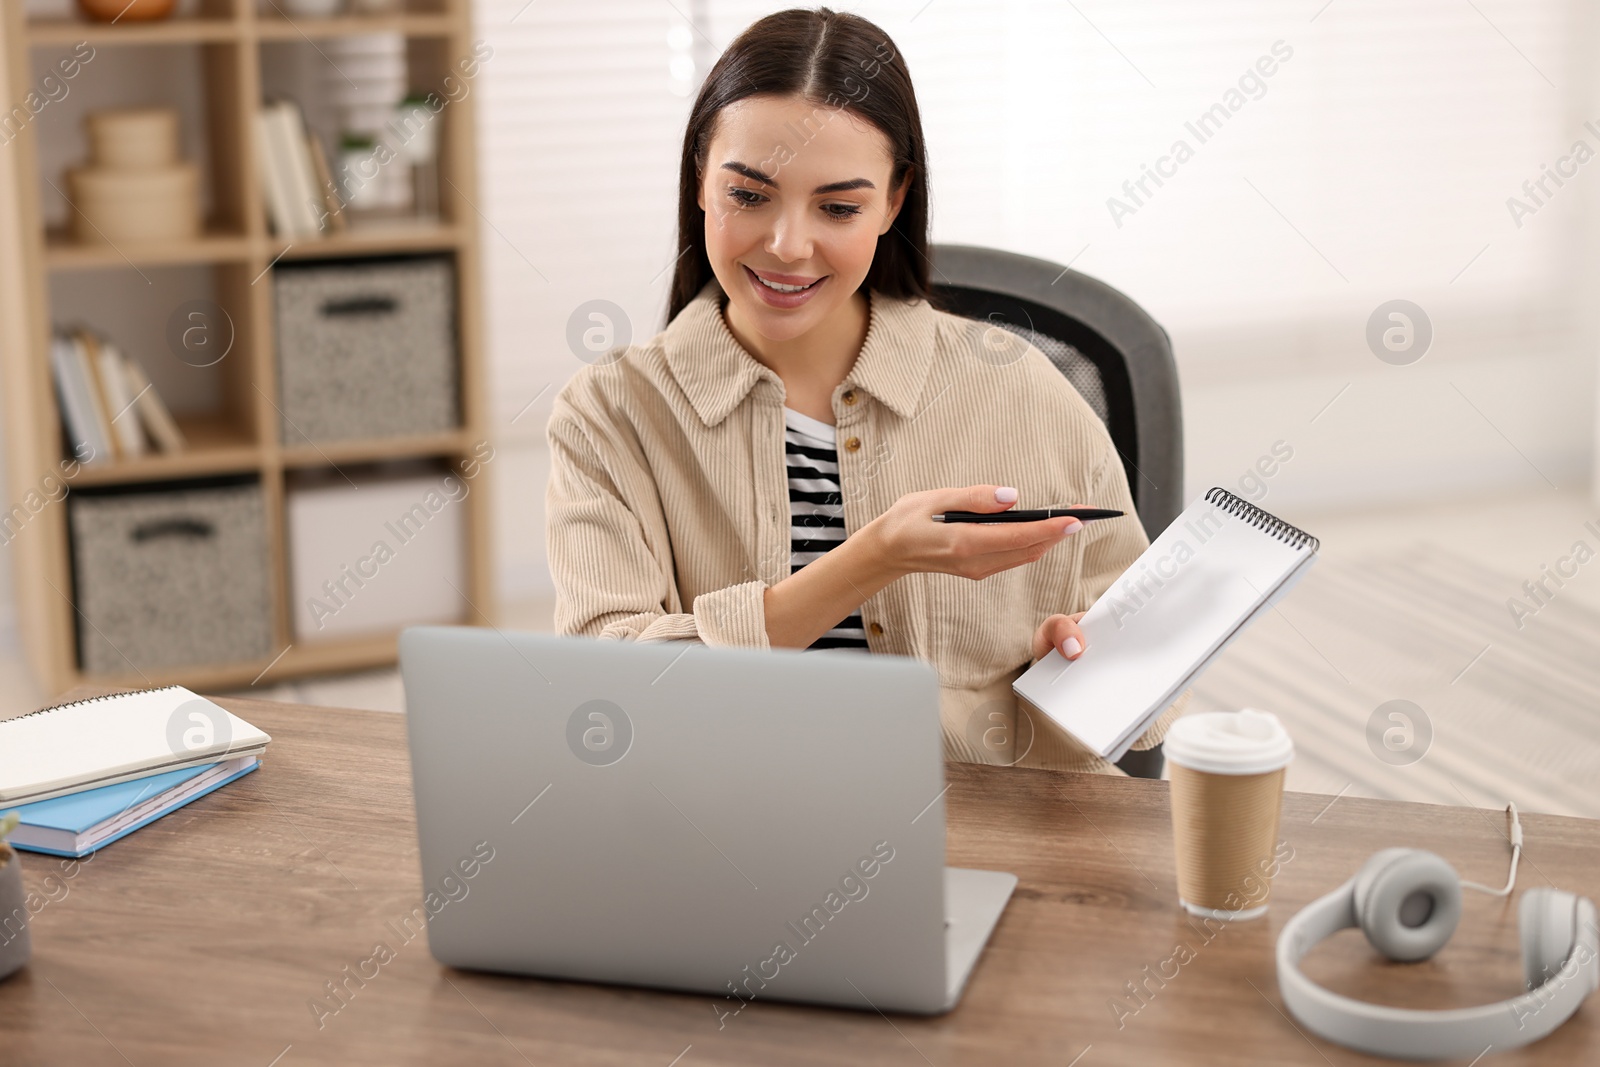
[169, 577]
[366, 349]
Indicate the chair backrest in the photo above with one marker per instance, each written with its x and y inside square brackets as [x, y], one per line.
[1116, 355]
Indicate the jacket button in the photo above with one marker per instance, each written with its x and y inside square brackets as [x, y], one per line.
[849, 396]
[853, 444]
[875, 630]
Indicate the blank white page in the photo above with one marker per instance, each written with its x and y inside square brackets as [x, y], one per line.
[1159, 625]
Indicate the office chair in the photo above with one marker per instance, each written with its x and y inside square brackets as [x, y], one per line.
[1116, 356]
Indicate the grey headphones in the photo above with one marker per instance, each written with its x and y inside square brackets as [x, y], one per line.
[1408, 901]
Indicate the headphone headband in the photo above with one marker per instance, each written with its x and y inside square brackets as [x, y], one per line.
[1419, 1034]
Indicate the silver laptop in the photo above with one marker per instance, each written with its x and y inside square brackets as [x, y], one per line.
[744, 823]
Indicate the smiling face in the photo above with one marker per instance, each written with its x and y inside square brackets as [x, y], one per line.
[795, 195]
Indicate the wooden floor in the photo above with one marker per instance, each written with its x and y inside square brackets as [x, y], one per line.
[1411, 604]
[1496, 713]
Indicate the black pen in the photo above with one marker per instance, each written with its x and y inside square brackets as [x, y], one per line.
[1085, 514]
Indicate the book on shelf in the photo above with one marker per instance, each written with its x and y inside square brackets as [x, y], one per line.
[127, 437]
[330, 198]
[297, 204]
[79, 416]
[88, 354]
[158, 421]
[109, 408]
[274, 183]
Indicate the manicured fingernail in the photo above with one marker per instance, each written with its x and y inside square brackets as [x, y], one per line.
[1071, 647]
[1072, 527]
[1005, 495]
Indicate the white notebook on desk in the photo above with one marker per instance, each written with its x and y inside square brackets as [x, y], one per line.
[1219, 566]
[104, 740]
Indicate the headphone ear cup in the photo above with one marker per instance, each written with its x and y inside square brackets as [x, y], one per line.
[1376, 863]
[1408, 902]
[1547, 926]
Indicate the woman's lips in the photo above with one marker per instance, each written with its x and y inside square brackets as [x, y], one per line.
[773, 298]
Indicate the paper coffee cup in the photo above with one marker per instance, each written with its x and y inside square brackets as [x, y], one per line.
[1227, 771]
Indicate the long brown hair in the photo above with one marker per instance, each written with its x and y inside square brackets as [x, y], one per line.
[834, 59]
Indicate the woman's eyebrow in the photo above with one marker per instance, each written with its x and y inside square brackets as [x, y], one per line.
[751, 173]
[832, 187]
[840, 187]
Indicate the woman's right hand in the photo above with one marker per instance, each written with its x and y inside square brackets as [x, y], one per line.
[909, 541]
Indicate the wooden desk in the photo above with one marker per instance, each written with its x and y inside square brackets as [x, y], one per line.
[203, 938]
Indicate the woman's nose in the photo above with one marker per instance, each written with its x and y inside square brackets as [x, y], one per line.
[791, 239]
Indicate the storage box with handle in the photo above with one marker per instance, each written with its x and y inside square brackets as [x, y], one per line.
[366, 348]
[172, 575]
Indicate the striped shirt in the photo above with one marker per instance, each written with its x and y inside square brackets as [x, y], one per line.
[816, 509]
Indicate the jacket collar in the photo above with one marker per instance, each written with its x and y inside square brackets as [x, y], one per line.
[716, 373]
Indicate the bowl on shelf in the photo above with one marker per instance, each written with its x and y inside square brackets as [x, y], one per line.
[126, 10]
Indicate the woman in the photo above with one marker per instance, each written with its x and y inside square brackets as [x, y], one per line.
[764, 471]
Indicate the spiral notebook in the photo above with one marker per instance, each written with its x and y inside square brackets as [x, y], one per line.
[1210, 574]
[90, 743]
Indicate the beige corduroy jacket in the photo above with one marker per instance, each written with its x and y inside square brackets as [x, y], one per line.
[668, 506]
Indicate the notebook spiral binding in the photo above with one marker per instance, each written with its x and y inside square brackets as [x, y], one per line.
[1264, 521]
[88, 700]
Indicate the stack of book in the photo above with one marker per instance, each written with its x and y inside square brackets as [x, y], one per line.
[302, 200]
[83, 775]
[109, 409]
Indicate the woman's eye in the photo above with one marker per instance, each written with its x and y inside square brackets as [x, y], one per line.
[744, 197]
[845, 210]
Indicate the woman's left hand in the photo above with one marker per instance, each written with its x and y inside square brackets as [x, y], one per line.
[1062, 633]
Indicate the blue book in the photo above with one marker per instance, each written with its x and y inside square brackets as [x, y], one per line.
[79, 823]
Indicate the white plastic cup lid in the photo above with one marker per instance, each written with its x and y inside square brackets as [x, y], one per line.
[1229, 742]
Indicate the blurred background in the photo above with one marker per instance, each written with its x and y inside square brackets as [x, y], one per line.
[1337, 156]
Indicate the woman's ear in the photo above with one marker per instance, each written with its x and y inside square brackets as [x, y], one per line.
[897, 199]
